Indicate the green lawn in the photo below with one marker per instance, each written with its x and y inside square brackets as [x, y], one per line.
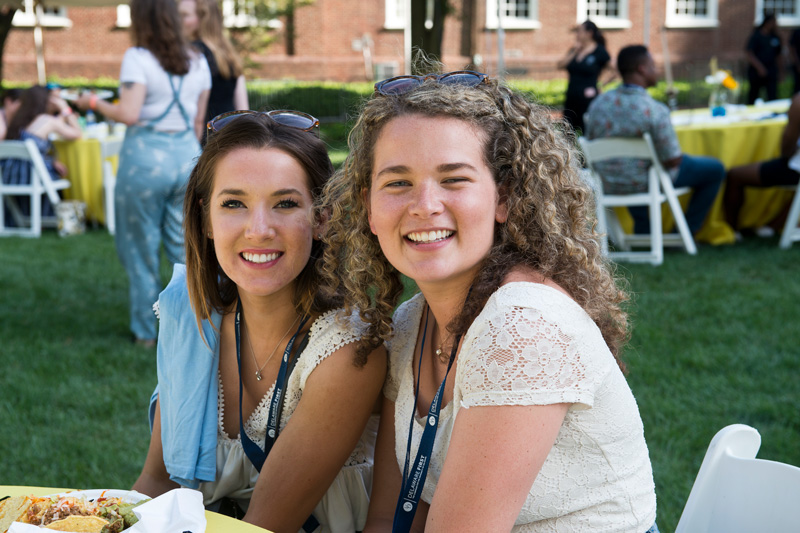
[715, 342]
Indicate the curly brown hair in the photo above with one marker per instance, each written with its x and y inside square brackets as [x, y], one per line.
[156, 26]
[209, 287]
[550, 226]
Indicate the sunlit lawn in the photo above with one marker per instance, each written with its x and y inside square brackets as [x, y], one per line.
[715, 342]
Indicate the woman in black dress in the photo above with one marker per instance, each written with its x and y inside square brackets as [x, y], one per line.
[203, 27]
[584, 62]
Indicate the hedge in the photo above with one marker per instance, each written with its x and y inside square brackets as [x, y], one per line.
[339, 102]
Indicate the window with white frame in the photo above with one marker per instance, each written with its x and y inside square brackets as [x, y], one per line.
[692, 14]
[604, 13]
[123, 16]
[513, 14]
[50, 16]
[786, 11]
[395, 18]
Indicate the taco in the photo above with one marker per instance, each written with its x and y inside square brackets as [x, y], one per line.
[79, 524]
[12, 509]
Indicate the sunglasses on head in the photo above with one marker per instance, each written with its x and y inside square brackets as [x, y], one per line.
[284, 117]
[404, 84]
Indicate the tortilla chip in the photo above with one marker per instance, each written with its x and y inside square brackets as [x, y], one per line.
[79, 524]
[12, 509]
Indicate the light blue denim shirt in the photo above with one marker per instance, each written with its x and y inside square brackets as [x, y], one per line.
[187, 385]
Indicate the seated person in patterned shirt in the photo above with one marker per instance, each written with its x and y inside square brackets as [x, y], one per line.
[629, 111]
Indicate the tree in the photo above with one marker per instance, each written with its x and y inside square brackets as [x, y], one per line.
[427, 25]
[7, 12]
[260, 35]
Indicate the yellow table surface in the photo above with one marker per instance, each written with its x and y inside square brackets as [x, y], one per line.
[734, 141]
[738, 143]
[216, 523]
[82, 159]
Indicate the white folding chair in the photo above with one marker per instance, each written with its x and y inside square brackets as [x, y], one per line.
[109, 148]
[41, 183]
[736, 493]
[791, 233]
[659, 190]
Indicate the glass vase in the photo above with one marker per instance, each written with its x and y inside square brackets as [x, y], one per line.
[717, 101]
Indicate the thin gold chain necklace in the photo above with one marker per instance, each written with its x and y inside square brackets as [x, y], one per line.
[259, 377]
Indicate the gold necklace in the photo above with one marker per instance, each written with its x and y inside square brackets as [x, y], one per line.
[440, 349]
[259, 377]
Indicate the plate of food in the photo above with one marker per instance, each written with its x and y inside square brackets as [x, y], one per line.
[79, 511]
[73, 94]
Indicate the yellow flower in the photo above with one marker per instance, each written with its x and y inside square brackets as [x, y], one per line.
[728, 82]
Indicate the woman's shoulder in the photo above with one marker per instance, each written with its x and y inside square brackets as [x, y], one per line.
[535, 301]
[405, 321]
[334, 330]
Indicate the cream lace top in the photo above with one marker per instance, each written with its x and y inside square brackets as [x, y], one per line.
[533, 345]
[344, 507]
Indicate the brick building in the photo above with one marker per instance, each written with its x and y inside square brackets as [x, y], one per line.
[348, 40]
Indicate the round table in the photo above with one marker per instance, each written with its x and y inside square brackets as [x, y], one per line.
[746, 136]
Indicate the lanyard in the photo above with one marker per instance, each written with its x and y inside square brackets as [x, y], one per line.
[256, 455]
[414, 479]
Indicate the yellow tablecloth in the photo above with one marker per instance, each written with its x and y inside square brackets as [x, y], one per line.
[82, 159]
[216, 523]
[736, 143]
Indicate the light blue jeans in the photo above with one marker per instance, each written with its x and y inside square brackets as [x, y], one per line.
[154, 168]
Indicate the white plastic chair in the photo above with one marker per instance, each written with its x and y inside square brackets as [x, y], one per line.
[41, 183]
[109, 148]
[659, 190]
[791, 233]
[736, 493]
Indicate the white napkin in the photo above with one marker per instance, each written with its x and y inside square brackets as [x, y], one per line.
[178, 510]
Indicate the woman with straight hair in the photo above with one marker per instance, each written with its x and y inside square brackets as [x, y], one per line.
[506, 406]
[164, 87]
[38, 113]
[264, 403]
[203, 26]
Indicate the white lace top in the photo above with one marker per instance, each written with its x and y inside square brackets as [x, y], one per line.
[344, 506]
[533, 345]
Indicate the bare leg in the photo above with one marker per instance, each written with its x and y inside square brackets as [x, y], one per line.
[738, 178]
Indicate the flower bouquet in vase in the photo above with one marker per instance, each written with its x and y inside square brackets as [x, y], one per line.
[722, 84]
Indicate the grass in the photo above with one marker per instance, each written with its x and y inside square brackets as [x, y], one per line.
[715, 342]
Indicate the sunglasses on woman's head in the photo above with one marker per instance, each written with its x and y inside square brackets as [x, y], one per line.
[285, 117]
[404, 84]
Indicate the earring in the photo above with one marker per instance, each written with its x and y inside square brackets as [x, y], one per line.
[210, 236]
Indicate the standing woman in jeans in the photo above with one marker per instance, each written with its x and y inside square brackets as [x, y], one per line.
[164, 87]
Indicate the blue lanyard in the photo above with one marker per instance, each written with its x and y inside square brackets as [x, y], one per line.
[414, 479]
[256, 455]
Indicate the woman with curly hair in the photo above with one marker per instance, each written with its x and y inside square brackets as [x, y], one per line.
[509, 355]
[164, 87]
